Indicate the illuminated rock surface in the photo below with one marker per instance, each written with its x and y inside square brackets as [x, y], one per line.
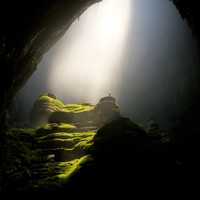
[48, 108]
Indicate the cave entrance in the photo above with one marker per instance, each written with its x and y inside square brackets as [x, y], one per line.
[141, 52]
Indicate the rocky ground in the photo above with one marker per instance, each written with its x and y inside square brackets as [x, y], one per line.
[41, 159]
[85, 155]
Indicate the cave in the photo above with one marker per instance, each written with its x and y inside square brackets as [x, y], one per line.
[29, 30]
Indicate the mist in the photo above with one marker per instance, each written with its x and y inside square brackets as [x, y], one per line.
[140, 51]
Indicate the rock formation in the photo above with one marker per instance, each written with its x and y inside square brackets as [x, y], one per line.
[85, 147]
[62, 157]
[107, 109]
[48, 108]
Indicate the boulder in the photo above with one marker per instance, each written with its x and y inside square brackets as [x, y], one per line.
[48, 108]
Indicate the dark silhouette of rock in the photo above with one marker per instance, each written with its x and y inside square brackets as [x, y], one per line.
[107, 109]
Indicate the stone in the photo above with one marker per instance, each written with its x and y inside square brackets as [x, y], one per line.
[48, 108]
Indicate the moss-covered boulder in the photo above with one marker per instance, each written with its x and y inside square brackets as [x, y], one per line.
[44, 106]
[122, 138]
[48, 108]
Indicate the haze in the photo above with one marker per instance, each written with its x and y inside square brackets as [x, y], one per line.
[141, 51]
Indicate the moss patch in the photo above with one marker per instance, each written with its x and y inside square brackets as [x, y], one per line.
[58, 174]
[51, 154]
[53, 128]
[55, 104]
[72, 167]
[77, 108]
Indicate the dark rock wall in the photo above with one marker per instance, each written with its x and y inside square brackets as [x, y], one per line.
[186, 131]
[189, 10]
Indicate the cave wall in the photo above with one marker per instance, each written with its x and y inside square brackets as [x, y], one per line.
[187, 125]
[30, 28]
[189, 10]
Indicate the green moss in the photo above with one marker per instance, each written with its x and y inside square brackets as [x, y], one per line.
[53, 128]
[72, 144]
[58, 105]
[72, 167]
[50, 100]
[64, 125]
[77, 108]
[52, 103]
[84, 145]
[56, 126]
[66, 135]
[63, 172]
[44, 148]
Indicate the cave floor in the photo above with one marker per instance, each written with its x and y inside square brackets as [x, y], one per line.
[46, 157]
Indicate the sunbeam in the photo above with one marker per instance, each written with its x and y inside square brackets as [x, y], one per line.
[88, 57]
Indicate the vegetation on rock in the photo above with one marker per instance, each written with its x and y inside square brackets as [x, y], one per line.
[61, 156]
[44, 158]
[54, 156]
[48, 108]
